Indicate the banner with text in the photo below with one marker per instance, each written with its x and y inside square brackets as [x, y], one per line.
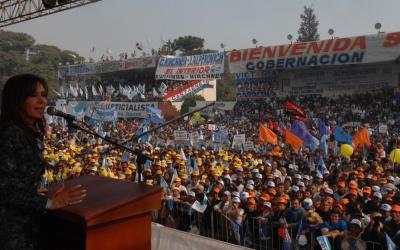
[349, 50]
[189, 89]
[197, 67]
[124, 109]
[181, 135]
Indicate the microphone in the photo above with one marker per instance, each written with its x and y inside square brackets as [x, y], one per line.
[54, 111]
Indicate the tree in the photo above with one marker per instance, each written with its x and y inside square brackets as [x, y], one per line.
[190, 102]
[43, 60]
[189, 45]
[308, 30]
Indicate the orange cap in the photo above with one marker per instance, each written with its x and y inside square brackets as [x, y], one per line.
[280, 200]
[251, 201]
[265, 197]
[367, 189]
[396, 208]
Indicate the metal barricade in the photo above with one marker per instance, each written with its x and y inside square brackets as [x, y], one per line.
[254, 232]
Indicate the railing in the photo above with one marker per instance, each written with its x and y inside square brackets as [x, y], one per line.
[253, 232]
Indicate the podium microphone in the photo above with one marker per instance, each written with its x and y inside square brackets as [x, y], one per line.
[54, 111]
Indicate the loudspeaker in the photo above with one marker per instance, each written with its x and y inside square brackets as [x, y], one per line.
[61, 2]
[48, 4]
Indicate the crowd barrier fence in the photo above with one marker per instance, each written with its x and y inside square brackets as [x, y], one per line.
[253, 232]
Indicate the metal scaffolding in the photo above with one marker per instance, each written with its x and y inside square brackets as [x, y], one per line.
[16, 11]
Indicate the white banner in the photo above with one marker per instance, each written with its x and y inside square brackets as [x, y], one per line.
[348, 50]
[383, 128]
[181, 135]
[248, 146]
[197, 67]
[124, 109]
[195, 137]
[238, 140]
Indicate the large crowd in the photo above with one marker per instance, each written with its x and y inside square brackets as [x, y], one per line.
[269, 192]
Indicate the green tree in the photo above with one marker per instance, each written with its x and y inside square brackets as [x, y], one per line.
[19, 54]
[190, 102]
[189, 45]
[226, 88]
[308, 30]
[15, 41]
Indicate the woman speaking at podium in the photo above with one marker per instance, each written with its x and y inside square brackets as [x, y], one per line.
[22, 127]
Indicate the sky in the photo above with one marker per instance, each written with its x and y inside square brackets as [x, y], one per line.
[118, 24]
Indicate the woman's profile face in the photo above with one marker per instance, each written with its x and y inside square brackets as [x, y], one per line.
[35, 104]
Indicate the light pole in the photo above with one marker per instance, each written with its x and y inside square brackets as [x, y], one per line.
[331, 32]
[254, 41]
[289, 37]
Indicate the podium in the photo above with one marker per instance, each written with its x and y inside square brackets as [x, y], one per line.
[114, 215]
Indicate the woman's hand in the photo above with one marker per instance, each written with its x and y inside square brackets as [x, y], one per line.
[63, 197]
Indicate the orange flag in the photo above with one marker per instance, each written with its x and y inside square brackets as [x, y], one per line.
[293, 140]
[266, 135]
[361, 138]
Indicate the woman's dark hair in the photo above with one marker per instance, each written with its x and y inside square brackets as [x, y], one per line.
[16, 90]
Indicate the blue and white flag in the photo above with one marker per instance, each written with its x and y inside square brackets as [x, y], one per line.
[324, 242]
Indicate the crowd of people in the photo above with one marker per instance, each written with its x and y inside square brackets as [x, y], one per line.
[269, 192]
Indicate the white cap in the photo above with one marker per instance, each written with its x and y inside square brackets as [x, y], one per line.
[326, 171]
[329, 191]
[386, 207]
[306, 177]
[259, 176]
[251, 182]
[356, 222]
[235, 194]
[227, 176]
[244, 195]
[288, 178]
[295, 189]
[390, 178]
[236, 199]
[191, 193]
[307, 203]
[297, 176]
[227, 193]
[267, 204]
[239, 169]
[271, 184]
[255, 171]
[378, 195]
[222, 182]
[376, 188]
[249, 186]
[300, 184]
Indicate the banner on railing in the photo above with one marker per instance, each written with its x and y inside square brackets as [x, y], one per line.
[382, 47]
[108, 66]
[124, 109]
[189, 89]
[197, 67]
